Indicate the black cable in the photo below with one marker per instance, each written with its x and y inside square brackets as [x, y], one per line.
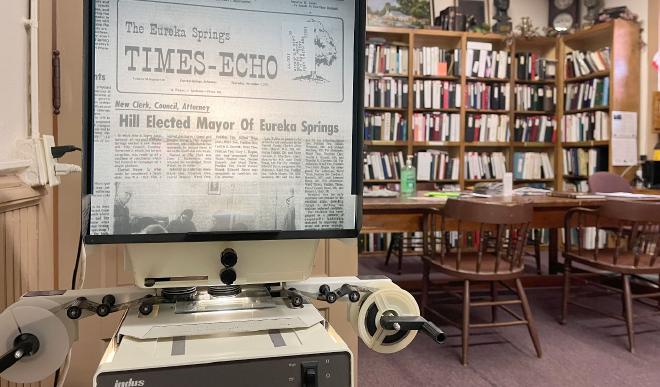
[75, 268]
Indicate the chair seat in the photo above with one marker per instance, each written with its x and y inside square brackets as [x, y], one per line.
[468, 267]
[625, 264]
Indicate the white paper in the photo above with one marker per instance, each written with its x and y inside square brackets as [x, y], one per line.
[624, 138]
[237, 112]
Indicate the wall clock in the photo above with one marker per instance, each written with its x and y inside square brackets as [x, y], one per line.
[563, 14]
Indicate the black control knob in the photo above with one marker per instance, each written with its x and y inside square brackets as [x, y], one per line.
[229, 258]
[327, 295]
[146, 308]
[74, 311]
[228, 276]
[109, 300]
[103, 310]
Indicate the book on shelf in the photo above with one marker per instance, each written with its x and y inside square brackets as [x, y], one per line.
[383, 166]
[480, 166]
[386, 126]
[386, 93]
[581, 63]
[386, 59]
[576, 186]
[536, 97]
[487, 128]
[436, 165]
[484, 62]
[532, 166]
[587, 126]
[535, 129]
[436, 127]
[482, 95]
[374, 242]
[580, 162]
[436, 61]
[588, 94]
[431, 94]
[450, 19]
[531, 67]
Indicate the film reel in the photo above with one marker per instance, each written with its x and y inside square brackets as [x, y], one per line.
[389, 301]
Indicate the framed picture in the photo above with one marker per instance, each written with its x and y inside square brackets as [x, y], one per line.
[399, 13]
[479, 9]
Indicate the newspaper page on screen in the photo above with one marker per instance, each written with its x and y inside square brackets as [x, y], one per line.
[221, 116]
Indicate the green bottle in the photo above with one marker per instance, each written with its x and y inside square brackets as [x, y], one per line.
[409, 179]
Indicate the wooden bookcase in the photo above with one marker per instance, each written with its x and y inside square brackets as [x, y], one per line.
[623, 39]
[621, 36]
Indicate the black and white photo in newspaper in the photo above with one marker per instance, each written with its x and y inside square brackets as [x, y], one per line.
[217, 115]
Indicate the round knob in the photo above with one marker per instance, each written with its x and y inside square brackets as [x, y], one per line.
[228, 276]
[229, 258]
[109, 300]
[74, 312]
[103, 310]
[146, 308]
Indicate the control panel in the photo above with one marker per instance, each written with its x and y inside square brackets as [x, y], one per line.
[318, 370]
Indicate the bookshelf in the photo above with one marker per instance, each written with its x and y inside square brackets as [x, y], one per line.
[623, 39]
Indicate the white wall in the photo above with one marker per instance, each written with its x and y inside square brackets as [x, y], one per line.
[14, 72]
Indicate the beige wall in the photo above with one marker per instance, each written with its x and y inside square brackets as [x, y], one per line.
[14, 71]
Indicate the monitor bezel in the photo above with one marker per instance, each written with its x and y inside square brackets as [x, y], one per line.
[88, 153]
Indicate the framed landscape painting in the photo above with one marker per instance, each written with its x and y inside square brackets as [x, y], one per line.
[399, 13]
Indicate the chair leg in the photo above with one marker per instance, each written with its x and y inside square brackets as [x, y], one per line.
[400, 256]
[465, 333]
[537, 250]
[493, 295]
[528, 316]
[391, 247]
[567, 291]
[426, 279]
[627, 302]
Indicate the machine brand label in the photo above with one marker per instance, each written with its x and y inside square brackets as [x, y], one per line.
[130, 383]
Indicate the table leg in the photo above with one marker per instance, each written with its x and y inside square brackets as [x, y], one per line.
[553, 251]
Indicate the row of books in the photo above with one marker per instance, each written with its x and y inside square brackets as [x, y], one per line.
[579, 63]
[530, 67]
[437, 94]
[587, 236]
[575, 186]
[479, 166]
[588, 94]
[374, 242]
[584, 162]
[386, 93]
[487, 128]
[535, 97]
[436, 165]
[386, 59]
[482, 95]
[588, 126]
[383, 166]
[535, 129]
[532, 166]
[485, 63]
[385, 127]
[436, 127]
[435, 61]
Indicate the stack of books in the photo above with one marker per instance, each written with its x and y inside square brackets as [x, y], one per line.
[579, 162]
[480, 166]
[386, 59]
[535, 129]
[535, 97]
[588, 94]
[484, 62]
[576, 186]
[435, 61]
[383, 166]
[436, 127]
[437, 94]
[435, 165]
[532, 166]
[589, 126]
[487, 128]
[530, 67]
[580, 63]
[386, 93]
[482, 95]
[385, 127]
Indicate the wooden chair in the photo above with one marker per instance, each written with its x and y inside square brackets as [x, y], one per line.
[635, 250]
[606, 182]
[498, 258]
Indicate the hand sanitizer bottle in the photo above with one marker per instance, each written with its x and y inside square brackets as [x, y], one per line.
[408, 179]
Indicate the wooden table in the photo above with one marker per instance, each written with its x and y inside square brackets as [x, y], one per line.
[409, 214]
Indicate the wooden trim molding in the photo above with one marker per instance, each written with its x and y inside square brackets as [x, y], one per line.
[15, 195]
